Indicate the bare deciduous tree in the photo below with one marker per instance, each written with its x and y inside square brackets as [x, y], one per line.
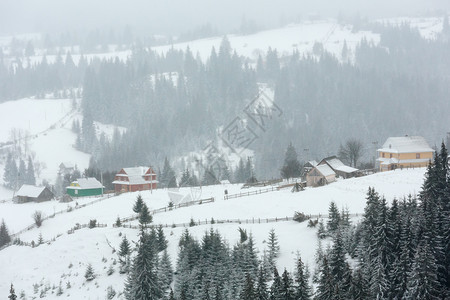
[351, 152]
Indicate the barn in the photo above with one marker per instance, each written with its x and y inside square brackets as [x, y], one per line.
[84, 187]
[320, 175]
[135, 179]
[339, 167]
[29, 193]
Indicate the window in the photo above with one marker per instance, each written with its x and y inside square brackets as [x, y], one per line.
[417, 155]
[382, 154]
[390, 155]
[76, 192]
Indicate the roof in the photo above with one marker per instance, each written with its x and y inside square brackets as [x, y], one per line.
[333, 162]
[86, 183]
[325, 170]
[30, 191]
[67, 165]
[312, 163]
[136, 175]
[346, 169]
[406, 144]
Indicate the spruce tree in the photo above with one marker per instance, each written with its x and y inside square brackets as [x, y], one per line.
[302, 288]
[287, 290]
[291, 167]
[165, 271]
[12, 293]
[334, 218]
[261, 285]
[142, 282]
[277, 287]
[248, 292]
[138, 204]
[162, 242]
[30, 176]
[326, 288]
[89, 274]
[144, 216]
[4, 235]
[423, 282]
[124, 255]
[274, 247]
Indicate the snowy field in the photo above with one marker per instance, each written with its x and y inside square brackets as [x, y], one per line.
[43, 130]
[49, 264]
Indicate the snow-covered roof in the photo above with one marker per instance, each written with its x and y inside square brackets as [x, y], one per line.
[136, 171]
[406, 144]
[325, 170]
[86, 183]
[67, 165]
[334, 162]
[346, 169]
[226, 181]
[313, 163]
[30, 191]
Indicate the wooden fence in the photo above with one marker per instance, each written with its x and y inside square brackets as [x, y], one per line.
[67, 210]
[169, 208]
[230, 221]
[250, 193]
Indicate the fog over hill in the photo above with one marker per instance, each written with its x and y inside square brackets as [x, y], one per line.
[174, 17]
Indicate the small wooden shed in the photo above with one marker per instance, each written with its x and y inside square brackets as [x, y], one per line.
[320, 175]
[28, 193]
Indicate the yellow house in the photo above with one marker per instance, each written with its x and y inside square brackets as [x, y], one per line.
[404, 152]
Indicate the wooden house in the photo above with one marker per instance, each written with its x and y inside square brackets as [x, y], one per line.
[135, 179]
[320, 175]
[339, 167]
[84, 187]
[404, 152]
[29, 193]
[66, 168]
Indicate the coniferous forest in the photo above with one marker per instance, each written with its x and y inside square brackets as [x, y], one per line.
[175, 103]
[399, 250]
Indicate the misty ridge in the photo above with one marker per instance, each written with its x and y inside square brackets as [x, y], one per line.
[177, 103]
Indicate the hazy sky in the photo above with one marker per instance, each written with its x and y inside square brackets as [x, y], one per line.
[175, 16]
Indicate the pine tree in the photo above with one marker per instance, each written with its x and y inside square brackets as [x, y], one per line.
[261, 285]
[423, 279]
[124, 255]
[10, 175]
[12, 294]
[291, 167]
[22, 173]
[162, 242]
[138, 204]
[144, 216]
[142, 282]
[248, 292]
[326, 288]
[358, 290]
[165, 271]
[274, 247]
[118, 222]
[302, 288]
[287, 290]
[277, 287]
[89, 274]
[30, 177]
[4, 235]
[334, 218]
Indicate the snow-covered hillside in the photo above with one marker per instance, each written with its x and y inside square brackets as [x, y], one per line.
[42, 129]
[49, 264]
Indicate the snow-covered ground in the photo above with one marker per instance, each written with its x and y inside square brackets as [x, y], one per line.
[42, 128]
[49, 264]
